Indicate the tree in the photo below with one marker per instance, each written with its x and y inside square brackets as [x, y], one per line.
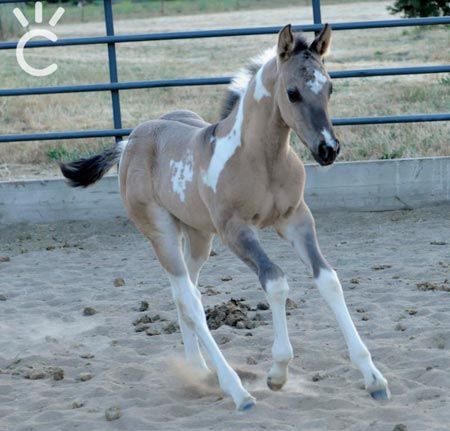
[415, 8]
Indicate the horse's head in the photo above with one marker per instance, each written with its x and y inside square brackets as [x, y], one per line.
[303, 92]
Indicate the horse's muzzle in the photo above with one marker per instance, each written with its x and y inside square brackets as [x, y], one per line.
[327, 153]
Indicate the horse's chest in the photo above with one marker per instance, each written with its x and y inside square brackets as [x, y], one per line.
[273, 203]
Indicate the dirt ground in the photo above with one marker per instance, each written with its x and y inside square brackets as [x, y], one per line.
[70, 356]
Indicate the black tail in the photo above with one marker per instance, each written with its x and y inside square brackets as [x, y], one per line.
[85, 172]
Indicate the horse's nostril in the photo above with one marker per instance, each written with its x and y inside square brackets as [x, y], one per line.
[326, 153]
[323, 151]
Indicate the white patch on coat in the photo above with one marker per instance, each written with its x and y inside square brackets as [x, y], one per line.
[224, 149]
[260, 90]
[182, 172]
[328, 138]
[318, 82]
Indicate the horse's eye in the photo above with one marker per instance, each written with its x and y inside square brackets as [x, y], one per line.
[293, 95]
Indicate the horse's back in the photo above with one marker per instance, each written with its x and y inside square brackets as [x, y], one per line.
[185, 116]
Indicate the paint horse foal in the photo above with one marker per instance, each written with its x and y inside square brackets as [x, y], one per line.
[183, 180]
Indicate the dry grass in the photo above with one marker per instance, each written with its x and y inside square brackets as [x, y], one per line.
[222, 56]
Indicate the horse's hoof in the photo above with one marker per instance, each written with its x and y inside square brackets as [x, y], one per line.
[274, 386]
[381, 394]
[247, 404]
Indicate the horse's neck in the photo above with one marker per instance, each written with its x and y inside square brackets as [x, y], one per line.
[263, 133]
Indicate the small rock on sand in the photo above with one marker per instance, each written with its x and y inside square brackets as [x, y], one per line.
[223, 339]
[89, 311]
[3, 297]
[171, 327]
[87, 355]
[430, 286]
[211, 292]
[151, 332]
[400, 427]
[119, 282]
[262, 306]
[226, 278]
[317, 377]
[145, 319]
[5, 258]
[35, 374]
[399, 327]
[77, 404]
[291, 304]
[84, 377]
[381, 267]
[112, 413]
[240, 325]
[251, 360]
[141, 327]
[58, 373]
[143, 306]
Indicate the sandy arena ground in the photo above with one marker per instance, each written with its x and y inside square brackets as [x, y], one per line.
[60, 369]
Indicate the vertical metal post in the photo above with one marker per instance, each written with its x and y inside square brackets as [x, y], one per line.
[113, 77]
[316, 13]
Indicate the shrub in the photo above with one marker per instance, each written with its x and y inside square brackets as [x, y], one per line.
[420, 8]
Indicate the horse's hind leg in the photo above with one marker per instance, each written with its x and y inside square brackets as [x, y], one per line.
[196, 249]
[164, 233]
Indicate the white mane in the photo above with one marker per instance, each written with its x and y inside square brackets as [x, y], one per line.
[242, 78]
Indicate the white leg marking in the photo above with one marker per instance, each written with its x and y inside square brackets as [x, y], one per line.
[331, 290]
[260, 90]
[282, 353]
[187, 298]
[224, 149]
[182, 172]
[191, 348]
[318, 82]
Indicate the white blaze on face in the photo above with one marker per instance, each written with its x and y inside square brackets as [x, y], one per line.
[182, 172]
[224, 149]
[260, 90]
[318, 82]
[328, 138]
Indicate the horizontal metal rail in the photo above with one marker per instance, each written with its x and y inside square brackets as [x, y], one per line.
[220, 80]
[416, 118]
[251, 31]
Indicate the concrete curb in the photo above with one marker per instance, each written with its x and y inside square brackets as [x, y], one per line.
[357, 186]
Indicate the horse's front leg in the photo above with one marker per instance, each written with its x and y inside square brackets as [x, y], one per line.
[243, 241]
[299, 230]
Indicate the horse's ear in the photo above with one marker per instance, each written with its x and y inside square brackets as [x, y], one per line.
[322, 43]
[285, 42]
